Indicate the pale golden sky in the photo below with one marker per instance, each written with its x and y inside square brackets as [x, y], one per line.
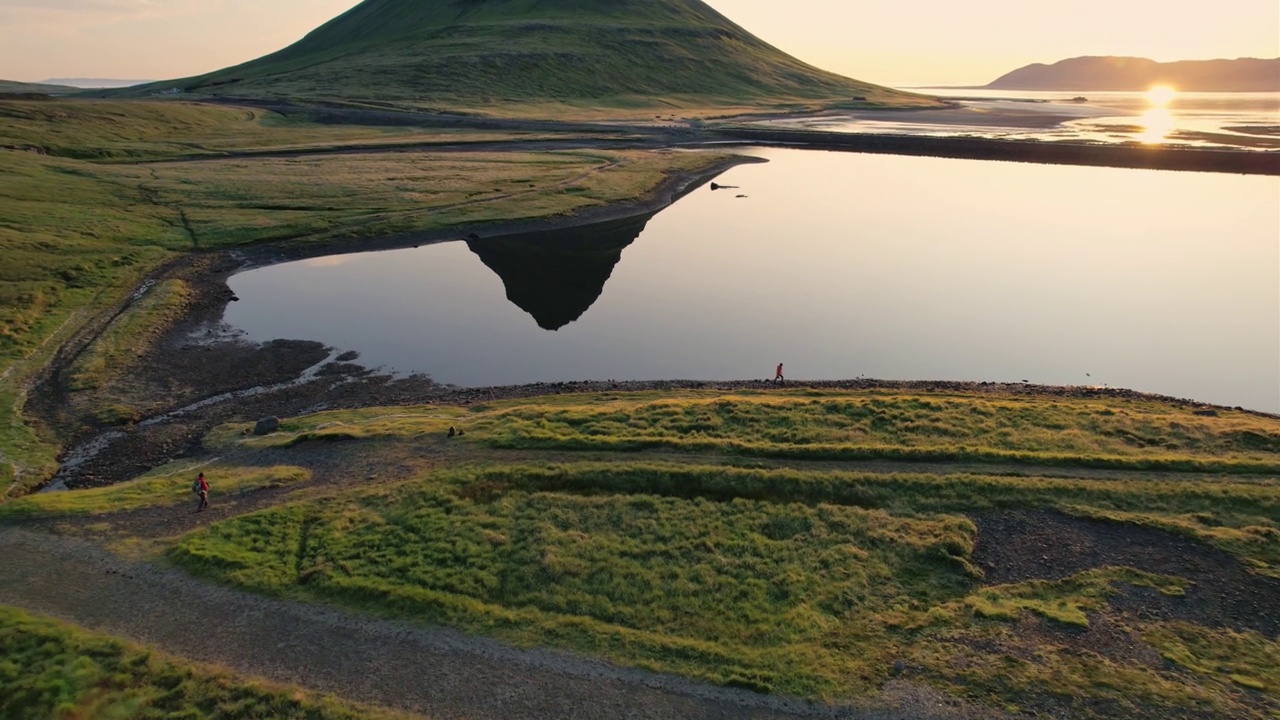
[902, 43]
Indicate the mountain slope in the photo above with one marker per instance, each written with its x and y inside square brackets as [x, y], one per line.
[13, 87]
[1136, 74]
[488, 52]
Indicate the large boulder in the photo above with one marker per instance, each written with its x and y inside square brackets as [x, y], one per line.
[267, 425]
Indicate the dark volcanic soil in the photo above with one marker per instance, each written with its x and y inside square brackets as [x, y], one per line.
[1027, 545]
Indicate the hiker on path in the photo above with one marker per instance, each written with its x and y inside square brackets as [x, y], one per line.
[201, 486]
[778, 377]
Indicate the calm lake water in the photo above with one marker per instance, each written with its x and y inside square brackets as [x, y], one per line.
[1236, 120]
[839, 265]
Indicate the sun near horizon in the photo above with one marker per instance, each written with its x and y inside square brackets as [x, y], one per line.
[1161, 96]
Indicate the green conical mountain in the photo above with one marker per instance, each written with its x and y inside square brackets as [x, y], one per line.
[491, 52]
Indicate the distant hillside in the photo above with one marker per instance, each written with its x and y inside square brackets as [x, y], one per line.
[12, 87]
[95, 83]
[622, 53]
[1130, 73]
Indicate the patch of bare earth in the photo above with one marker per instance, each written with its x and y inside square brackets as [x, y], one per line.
[1017, 546]
[1038, 545]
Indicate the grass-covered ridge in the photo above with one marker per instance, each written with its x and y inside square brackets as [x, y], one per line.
[51, 670]
[801, 581]
[1118, 589]
[693, 532]
[487, 53]
[841, 425]
[162, 487]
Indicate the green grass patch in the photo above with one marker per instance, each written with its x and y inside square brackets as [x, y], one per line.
[799, 582]
[169, 485]
[129, 336]
[849, 425]
[902, 426]
[1066, 601]
[744, 592]
[55, 671]
[1249, 660]
[139, 130]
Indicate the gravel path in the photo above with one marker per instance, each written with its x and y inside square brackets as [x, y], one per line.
[437, 672]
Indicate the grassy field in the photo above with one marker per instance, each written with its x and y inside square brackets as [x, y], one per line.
[769, 570]
[816, 598]
[1104, 432]
[139, 131]
[163, 487]
[54, 671]
[90, 210]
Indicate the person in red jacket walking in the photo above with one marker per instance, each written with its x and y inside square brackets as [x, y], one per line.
[202, 487]
[778, 376]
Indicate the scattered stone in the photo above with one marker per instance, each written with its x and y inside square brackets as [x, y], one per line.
[348, 356]
[899, 667]
[1206, 413]
[267, 425]
[453, 431]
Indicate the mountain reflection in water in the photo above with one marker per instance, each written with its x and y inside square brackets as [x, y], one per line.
[556, 276]
[839, 265]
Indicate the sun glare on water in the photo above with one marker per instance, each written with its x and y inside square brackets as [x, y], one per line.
[1157, 122]
[1161, 95]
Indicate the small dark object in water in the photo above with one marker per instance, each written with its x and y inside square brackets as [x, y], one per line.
[742, 196]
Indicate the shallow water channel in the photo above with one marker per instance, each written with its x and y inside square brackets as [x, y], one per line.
[839, 265]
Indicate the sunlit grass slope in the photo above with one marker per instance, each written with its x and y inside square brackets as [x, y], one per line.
[162, 487]
[840, 425]
[795, 581]
[54, 670]
[692, 532]
[463, 53]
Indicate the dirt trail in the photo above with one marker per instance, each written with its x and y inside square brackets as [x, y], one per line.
[437, 672]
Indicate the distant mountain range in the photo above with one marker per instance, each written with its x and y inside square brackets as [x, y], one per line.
[1136, 74]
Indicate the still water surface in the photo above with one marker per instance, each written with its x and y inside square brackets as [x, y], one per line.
[1249, 121]
[840, 265]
